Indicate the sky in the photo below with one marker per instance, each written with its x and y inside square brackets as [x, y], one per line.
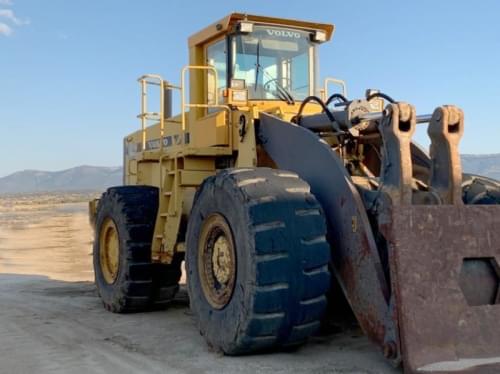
[68, 69]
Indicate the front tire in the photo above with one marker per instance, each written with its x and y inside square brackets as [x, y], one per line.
[257, 260]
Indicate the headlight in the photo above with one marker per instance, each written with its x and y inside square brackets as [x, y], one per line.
[318, 36]
[245, 27]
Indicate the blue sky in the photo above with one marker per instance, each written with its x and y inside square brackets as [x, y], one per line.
[68, 69]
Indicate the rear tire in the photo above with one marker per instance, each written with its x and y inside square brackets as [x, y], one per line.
[274, 255]
[136, 284]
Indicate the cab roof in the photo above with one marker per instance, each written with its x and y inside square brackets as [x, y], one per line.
[227, 23]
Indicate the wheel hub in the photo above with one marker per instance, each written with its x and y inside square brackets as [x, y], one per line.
[109, 254]
[217, 261]
[221, 260]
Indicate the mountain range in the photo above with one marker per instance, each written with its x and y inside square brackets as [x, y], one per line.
[98, 178]
[487, 165]
[80, 178]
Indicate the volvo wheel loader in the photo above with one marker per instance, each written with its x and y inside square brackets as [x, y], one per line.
[273, 192]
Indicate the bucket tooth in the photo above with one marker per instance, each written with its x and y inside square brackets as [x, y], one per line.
[445, 130]
[398, 126]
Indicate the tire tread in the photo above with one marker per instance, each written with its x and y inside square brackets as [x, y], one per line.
[144, 284]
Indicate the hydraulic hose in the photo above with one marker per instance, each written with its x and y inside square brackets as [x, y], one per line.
[381, 95]
[316, 99]
[336, 96]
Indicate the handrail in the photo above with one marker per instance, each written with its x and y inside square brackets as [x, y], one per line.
[183, 91]
[150, 76]
[157, 80]
[153, 79]
[336, 81]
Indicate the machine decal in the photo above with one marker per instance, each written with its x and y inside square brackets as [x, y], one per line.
[283, 33]
[168, 141]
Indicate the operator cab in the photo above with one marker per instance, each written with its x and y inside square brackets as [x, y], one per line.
[271, 59]
[273, 63]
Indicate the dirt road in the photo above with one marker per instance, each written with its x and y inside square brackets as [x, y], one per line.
[51, 320]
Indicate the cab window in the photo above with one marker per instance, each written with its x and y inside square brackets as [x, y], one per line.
[216, 56]
[271, 59]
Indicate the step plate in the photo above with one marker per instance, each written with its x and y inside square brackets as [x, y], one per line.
[445, 270]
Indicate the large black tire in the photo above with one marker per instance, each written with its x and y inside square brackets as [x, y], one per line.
[140, 284]
[478, 190]
[282, 258]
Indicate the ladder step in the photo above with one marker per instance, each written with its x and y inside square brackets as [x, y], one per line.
[159, 237]
[172, 172]
[166, 215]
[168, 193]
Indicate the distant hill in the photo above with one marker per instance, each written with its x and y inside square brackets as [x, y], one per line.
[81, 178]
[487, 165]
[98, 178]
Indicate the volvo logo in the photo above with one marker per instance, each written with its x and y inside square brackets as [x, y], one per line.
[283, 33]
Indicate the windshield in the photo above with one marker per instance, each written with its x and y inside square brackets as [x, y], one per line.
[271, 59]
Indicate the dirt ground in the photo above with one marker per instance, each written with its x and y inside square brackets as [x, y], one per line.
[51, 320]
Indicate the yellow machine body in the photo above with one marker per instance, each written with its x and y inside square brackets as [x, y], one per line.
[208, 133]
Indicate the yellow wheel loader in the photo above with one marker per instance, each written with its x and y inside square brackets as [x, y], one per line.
[274, 191]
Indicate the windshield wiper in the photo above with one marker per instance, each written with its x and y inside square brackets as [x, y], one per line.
[289, 98]
[282, 92]
[257, 65]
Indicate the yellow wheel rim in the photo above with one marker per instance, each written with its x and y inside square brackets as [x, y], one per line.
[221, 260]
[217, 261]
[109, 251]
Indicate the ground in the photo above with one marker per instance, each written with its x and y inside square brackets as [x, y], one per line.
[51, 319]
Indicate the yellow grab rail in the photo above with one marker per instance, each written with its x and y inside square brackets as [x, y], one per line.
[156, 80]
[183, 92]
[336, 81]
